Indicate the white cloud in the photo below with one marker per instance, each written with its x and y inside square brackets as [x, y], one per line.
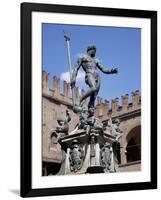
[79, 55]
[66, 77]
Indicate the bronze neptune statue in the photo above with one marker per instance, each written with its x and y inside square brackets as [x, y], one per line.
[90, 64]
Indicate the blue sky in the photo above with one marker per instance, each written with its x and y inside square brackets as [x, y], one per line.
[116, 47]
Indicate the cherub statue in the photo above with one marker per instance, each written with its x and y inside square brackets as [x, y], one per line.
[63, 128]
[83, 119]
[117, 133]
[89, 122]
[94, 122]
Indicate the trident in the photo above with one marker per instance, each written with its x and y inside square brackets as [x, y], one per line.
[67, 39]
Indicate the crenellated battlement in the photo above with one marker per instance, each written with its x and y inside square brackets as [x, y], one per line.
[113, 109]
[55, 91]
[104, 108]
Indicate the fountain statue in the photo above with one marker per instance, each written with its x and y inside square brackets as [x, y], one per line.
[90, 147]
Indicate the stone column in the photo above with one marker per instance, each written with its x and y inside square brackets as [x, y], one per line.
[67, 163]
[123, 143]
[86, 162]
[123, 155]
[93, 152]
[112, 167]
[97, 154]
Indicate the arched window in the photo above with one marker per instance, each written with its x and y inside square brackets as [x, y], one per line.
[133, 148]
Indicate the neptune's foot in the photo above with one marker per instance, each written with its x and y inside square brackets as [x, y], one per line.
[77, 109]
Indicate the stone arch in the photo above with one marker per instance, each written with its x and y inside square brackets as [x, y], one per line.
[127, 127]
[133, 146]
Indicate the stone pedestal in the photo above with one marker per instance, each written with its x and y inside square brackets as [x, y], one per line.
[84, 152]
